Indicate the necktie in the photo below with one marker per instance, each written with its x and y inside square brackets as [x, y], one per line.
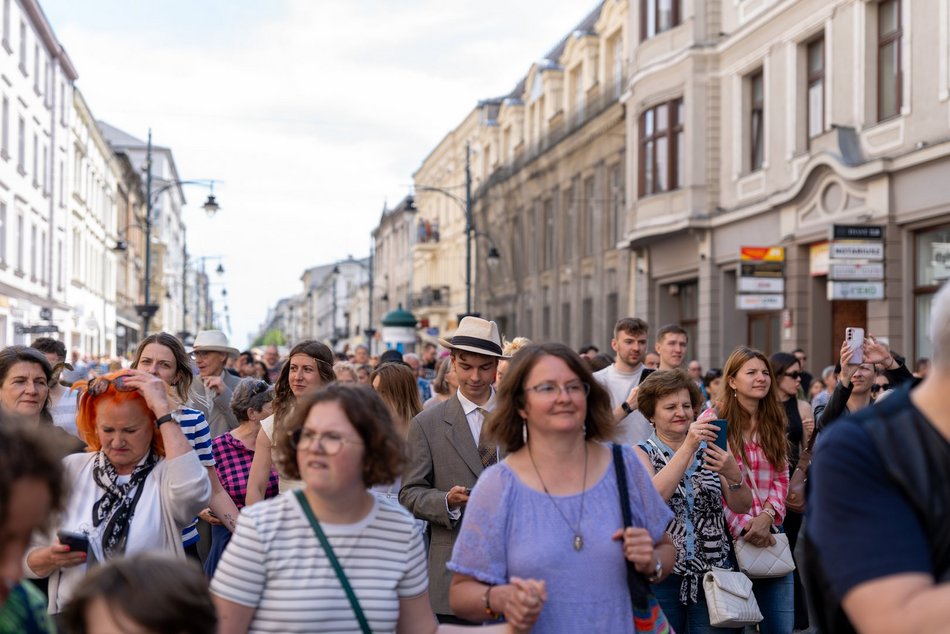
[486, 450]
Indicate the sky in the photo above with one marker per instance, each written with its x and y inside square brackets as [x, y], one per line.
[309, 114]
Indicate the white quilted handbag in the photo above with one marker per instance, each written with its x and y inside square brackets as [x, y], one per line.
[729, 599]
[765, 563]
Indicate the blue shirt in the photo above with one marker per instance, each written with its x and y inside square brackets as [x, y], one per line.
[196, 430]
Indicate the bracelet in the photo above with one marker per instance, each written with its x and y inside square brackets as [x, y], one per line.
[770, 513]
[487, 598]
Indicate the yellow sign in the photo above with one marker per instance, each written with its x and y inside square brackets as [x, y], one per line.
[762, 254]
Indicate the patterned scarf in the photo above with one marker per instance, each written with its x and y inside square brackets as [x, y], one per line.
[115, 507]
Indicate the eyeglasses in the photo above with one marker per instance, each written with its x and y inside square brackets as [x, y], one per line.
[329, 443]
[793, 375]
[99, 385]
[201, 354]
[576, 389]
[878, 387]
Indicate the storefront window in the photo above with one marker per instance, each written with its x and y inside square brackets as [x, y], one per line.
[933, 269]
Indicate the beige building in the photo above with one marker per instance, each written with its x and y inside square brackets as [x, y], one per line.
[553, 202]
[764, 123]
[394, 250]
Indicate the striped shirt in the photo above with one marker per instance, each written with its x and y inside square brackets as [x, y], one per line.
[275, 564]
[198, 433]
[769, 484]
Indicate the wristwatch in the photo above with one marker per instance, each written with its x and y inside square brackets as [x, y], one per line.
[770, 513]
[625, 406]
[167, 418]
[657, 572]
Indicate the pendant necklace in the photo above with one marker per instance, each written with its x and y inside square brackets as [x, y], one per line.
[578, 539]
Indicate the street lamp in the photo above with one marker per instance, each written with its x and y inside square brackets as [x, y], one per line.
[148, 310]
[470, 233]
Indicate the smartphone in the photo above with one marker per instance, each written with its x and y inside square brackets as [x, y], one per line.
[854, 337]
[721, 438]
[468, 491]
[77, 542]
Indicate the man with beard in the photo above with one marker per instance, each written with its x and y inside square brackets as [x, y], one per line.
[624, 375]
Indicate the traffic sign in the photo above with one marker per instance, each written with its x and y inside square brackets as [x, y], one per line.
[857, 232]
[857, 251]
[855, 290]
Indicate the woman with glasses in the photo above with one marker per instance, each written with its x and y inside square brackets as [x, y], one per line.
[163, 355]
[801, 426]
[542, 539]
[694, 476]
[139, 486]
[234, 453]
[277, 573]
[309, 365]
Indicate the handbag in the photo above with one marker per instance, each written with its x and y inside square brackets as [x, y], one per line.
[765, 562]
[337, 568]
[729, 599]
[648, 616]
[795, 500]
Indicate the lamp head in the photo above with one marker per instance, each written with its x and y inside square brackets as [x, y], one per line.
[211, 206]
[493, 257]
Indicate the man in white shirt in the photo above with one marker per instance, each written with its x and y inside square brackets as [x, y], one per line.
[447, 453]
[624, 375]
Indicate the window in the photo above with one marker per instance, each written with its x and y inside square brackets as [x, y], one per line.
[616, 207]
[3, 235]
[23, 47]
[616, 56]
[756, 120]
[661, 148]
[20, 240]
[33, 244]
[587, 319]
[815, 60]
[36, 68]
[5, 129]
[45, 168]
[21, 145]
[62, 184]
[43, 262]
[889, 80]
[546, 323]
[932, 270]
[60, 264]
[613, 307]
[6, 26]
[566, 322]
[577, 95]
[589, 205]
[549, 243]
[36, 160]
[657, 16]
[568, 224]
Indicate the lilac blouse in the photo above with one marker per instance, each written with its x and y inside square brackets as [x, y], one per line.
[510, 530]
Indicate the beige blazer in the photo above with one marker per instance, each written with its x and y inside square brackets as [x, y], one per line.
[442, 454]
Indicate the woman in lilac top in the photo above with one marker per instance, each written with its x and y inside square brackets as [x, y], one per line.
[542, 541]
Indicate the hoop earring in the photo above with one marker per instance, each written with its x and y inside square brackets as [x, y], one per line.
[524, 431]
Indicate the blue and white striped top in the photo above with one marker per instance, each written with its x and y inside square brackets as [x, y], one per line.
[198, 433]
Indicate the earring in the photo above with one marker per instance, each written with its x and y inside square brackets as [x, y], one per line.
[584, 430]
[735, 394]
[524, 431]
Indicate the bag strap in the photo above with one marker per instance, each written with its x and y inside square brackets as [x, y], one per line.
[636, 582]
[337, 568]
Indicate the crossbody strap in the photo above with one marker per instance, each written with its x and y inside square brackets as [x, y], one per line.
[337, 568]
[636, 582]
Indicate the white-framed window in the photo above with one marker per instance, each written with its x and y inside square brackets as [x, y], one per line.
[5, 128]
[21, 145]
[3, 234]
[33, 269]
[756, 124]
[890, 80]
[815, 85]
[20, 242]
[23, 47]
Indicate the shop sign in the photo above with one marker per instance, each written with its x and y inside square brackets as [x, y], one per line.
[856, 271]
[941, 260]
[761, 285]
[760, 302]
[762, 269]
[857, 251]
[20, 329]
[855, 290]
[818, 259]
[857, 232]
[762, 254]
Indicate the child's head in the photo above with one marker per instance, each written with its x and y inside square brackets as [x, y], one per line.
[147, 594]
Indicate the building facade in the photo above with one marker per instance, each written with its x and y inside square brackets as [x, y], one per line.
[553, 202]
[395, 239]
[36, 104]
[765, 123]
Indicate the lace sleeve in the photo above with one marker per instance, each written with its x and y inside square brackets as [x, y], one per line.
[481, 548]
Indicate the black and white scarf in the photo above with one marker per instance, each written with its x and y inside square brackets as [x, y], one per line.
[115, 507]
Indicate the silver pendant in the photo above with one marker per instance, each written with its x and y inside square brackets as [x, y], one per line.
[578, 542]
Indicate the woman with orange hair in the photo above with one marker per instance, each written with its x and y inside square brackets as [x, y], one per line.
[136, 489]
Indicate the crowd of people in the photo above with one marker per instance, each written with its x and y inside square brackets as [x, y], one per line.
[513, 486]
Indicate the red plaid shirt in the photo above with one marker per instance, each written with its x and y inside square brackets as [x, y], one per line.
[232, 461]
[772, 485]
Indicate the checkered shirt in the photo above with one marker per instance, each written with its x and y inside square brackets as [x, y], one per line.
[771, 483]
[233, 463]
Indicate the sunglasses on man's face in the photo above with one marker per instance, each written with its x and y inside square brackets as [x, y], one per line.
[878, 387]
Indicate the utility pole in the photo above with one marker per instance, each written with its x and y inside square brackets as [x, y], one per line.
[469, 229]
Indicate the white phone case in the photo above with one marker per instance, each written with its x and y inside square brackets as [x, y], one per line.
[855, 339]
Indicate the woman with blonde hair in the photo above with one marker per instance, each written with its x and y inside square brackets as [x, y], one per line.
[757, 437]
[309, 365]
[345, 372]
[444, 385]
[508, 348]
[396, 384]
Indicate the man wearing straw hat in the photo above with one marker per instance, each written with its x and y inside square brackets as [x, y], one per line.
[212, 394]
[447, 453]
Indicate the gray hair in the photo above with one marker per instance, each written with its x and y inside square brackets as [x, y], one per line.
[250, 393]
[940, 326]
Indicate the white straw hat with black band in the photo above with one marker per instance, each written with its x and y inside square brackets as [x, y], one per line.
[214, 341]
[476, 335]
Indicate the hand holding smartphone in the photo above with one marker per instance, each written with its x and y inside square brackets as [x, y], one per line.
[854, 337]
[722, 435]
[77, 542]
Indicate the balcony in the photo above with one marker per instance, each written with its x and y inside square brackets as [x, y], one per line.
[431, 296]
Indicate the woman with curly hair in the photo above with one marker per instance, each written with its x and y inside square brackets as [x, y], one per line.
[309, 365]
[757, 438]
